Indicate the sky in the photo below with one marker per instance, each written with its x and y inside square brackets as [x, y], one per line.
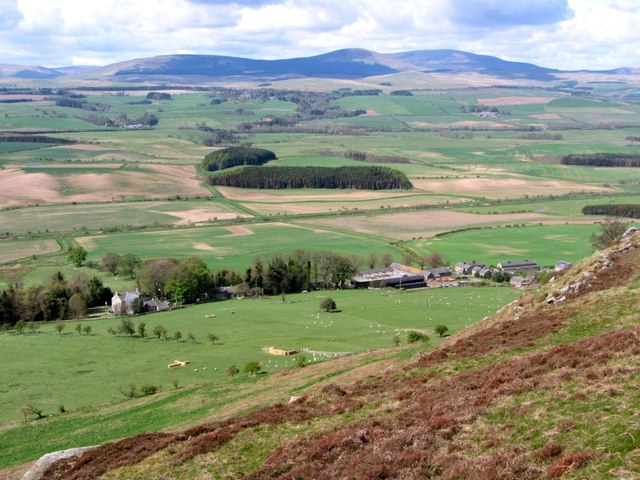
[563, 34]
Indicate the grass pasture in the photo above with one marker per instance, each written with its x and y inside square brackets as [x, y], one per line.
[123, 177]
[96, 216]
[89, 370]
[566, 208]
[12, 250]
[421, 223]
[10, 147]
[543, 243]
[232, 247]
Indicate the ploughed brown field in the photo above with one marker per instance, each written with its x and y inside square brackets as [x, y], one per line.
[18, 186]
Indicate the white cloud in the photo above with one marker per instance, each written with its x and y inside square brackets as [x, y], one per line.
[568, 34]
[10, 14]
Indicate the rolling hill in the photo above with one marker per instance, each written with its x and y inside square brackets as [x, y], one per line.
[547, 388]
[346, 63]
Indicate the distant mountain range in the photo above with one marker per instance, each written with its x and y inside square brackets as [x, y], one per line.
[348, 63]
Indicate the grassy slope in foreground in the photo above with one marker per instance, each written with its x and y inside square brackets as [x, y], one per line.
[83, 372]
[542, 390]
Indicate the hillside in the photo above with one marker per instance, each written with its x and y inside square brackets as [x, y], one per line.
[347, 64]
[547, 388]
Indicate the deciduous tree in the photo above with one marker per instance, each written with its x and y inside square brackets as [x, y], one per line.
[252, 368]
[441, 329]
[110, 263]
[77, 255]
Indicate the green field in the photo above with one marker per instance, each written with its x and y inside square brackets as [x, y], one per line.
[465, 163]
[545, 244]
[66, 218]
[11, 251]
[88, 370]
[222, 248]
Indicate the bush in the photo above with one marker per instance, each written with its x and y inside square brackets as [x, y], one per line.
[441, 330]
[300, 361]
[31, 410]
[149, 389]
[129, 391]
[252, 368]
[232, 370]
[413, 337]
[327, 304]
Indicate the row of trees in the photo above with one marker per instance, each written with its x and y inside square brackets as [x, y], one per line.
[29, 138]
[474, 108]
[369, 178]
[159, 96]
[360, 156]
[602, 159]
[54, 299]
[217, 136]
[182, 281]
[168, 278]
[190, 279]
[613, 210]
[301, 270]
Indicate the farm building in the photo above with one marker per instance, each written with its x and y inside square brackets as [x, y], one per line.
[395, 275]
[436, 273]
[512, 267]
[483, 273]
[464, 268]
[219, 293]
[123, 303]
[155, 305]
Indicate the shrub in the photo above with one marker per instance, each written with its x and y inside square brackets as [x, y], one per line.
[441, 330]
[149, 389]
[550, 450]
[129, 391]
[567, 463]
[300, 361]
[413, 337]
[160, 331]
[327, 304]
[252, 367]
[59, 327]
[31, 410]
